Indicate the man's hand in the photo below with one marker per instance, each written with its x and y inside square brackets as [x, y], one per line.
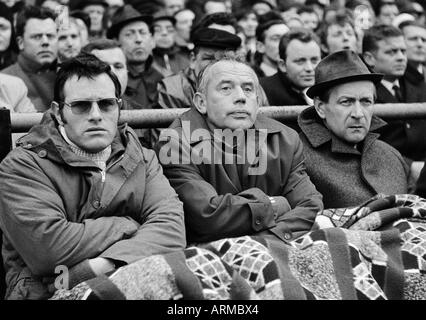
[101, 265]
[415, 169]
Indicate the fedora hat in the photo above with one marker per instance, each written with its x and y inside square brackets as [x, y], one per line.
[124, 16]
[338, 68]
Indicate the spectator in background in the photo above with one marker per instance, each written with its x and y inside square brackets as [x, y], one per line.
[82, 20]
[415, 39]
[97, 11]
[247, 21]
[309, 17]
[168, 59]
[386, 11]
[38, 45]
[210, 45]
[338, 34]
[261, 7]
[132, 31]
[384, 50]
[214, 6]
[300, 52]
[113, 6]
[268, 35]
[8, 45]
[184, 20]
[170, 7]
[69, 40]
[319, 7]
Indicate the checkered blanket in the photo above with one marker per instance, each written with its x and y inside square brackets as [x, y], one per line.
[374, 251]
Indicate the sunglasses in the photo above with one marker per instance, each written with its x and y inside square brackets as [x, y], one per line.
[85, 106]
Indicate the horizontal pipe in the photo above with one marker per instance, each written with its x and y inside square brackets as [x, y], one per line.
[162, 118]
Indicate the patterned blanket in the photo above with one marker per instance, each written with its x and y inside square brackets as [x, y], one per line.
[374, 251]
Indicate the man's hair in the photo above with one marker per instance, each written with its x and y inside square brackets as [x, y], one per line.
[302, 34]
[243, 13]
[411, 23]
[204, 76]
[306, 9]
[377, 5]
[341, 18]
[378, 33]
[84, 65]
[31, 12]
[100, 44]
[266, 21]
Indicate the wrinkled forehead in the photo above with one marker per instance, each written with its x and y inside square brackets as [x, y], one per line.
[354, 89]
[232, 71]
[110, 56]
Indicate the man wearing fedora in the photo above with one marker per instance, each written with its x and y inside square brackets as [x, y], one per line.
[344, 158]
[97, 11]
[132, 30]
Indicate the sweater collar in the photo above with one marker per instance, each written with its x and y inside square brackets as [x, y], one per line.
[318, 134]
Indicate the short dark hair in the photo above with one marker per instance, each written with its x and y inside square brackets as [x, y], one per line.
[302, 34]
[100, 44]
[341, 18]
[31, 12]
[83, 65]
[378, 33]
[377, 5]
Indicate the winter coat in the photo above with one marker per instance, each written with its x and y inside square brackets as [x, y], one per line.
[39, 81]
[226, 200]
[279, 92]
[406, 135]
[55, 208]
[345, 175]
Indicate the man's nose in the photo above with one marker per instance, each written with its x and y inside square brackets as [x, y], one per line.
[239, 95]
[45, 39]
[357, 110]
[309, 66]
[95, 113]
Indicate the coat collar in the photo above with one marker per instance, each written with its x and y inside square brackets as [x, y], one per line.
[46, 140]
[148, 64]
[318, 134]
[198, 121]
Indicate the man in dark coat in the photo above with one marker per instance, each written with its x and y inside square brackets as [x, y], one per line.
[384, 50]
[237, 173]
[132, 30]
[80, 196]
[299, 55]
[38, 45]
[344, 159]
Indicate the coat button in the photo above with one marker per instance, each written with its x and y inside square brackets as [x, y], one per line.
[408, 126]
[96, 204]
[287, 236]
[42, 153]
[257, 221]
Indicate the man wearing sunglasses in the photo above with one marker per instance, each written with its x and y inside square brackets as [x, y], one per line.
[79, 196]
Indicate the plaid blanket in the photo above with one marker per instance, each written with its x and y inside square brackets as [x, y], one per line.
[374, 251]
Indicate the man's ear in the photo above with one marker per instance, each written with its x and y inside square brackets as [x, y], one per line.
[20, 42]
[260, 47]
[319, 107]
[324, 48]
[200, 102]
[54, 106]
[281, 66]
[369, 59]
